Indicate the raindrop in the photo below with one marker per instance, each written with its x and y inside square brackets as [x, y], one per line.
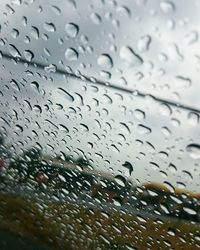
[120, 180]
[71, 54]
[28, 55]
[172, 168]
[15, 85]
[15, 33]
[143, 129]
[128, 168]
[166, 131]
[66, 94]
[50, 68]
[50, 27]
[35, 32]
[144, 43]
[154, 166]
[175, 122]
[191, 38]
[125, 128]
[187, 175]
[72, 30]
[189, 210]
[84, 127]
[127, 54]
[165, 109]
[104, 60]
[115, 149]
[17, 2]
[174, 53]
[19, 128]
[37, 109]
[95, 18]
[56, 9]
[35, 85]
[183, 81]
[194, 151]
[64, 128]
[193, 118]
[14, 51]
[117, 202]
[167, 6]
[139, 114]
[71, 3]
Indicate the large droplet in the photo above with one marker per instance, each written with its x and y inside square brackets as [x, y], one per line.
[139, 114]
[128, 168]
[104, 60]
[194, 151]
[72, 29]
[143, 129]
[35, 32]
[127, 54]
[167, 6]
[120, 180]
[95, 18]
[191, 38]
[165, 109]
[14, 51]
[144, 43]
[15, 85]
[50, 27]
[193, 118]
[65, 94]
[28, 55]
[71, 54]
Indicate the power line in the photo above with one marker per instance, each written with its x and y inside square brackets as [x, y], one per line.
[90, 80]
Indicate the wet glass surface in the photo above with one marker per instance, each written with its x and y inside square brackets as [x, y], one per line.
[100, 136]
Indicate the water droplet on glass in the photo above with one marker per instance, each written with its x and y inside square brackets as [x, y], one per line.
[104, 60]
[128, 168]
[166, 131]
[193, 118]
[144, 43]
[71, 54]
[191, 38]
[15, 33]
[167, 6]
[50, 68]
[189, 210]
[84, 127]
[34, 32]
[139, 114]
[194, 151]
[95, 18]
[50, 27]
[172, 168]
[14, 51]
[15, 85]
[72, 29]
[143, 129]
[65, 94]
[28, 55]
[127, 54]
[120, 180]
[165, 109]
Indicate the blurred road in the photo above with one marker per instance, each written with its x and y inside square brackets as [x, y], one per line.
[10, 241]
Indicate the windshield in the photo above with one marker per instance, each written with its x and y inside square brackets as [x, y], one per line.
[99, 136]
